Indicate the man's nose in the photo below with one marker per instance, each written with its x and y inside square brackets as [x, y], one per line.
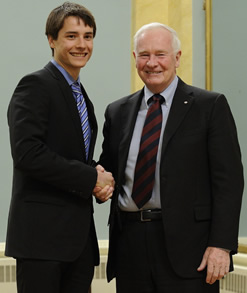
[152, 61]
[81, 42]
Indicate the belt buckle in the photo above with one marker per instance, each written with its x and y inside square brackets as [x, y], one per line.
[145, 220]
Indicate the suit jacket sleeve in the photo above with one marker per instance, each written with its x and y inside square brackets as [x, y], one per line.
[41, 149]
[226, 176]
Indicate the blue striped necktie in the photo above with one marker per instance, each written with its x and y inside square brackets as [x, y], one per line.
[146, 161]
[82, 109]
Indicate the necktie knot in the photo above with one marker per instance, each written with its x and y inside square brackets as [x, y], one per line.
[75, 84]
[76, 88]
[156, 98]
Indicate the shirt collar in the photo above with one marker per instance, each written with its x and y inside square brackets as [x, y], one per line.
[168, 93]
[66, 75]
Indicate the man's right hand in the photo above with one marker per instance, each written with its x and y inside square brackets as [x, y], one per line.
[105, 184]
[104, 177]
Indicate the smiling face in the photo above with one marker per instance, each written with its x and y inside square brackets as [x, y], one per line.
[156, 61]
[73, 46]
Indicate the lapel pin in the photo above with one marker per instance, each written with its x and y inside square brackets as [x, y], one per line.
[185, 102]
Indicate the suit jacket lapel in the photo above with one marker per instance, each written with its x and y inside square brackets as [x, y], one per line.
[129, 111]
[181, 104]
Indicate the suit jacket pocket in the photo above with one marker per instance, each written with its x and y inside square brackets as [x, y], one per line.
[202, 213]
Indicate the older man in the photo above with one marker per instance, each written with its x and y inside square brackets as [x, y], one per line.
[174, 153]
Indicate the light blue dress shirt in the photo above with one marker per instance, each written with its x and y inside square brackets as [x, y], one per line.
[66, 75]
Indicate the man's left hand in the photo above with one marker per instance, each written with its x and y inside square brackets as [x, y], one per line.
[217, 261]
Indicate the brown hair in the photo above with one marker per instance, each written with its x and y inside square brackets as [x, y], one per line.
[57, 16]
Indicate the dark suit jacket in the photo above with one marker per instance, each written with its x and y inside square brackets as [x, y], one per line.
[201, 175]
[51, 208]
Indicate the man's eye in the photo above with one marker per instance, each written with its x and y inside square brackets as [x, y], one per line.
[71, 36]
[88, 37]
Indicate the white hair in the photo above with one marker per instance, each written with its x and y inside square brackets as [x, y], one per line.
[175, 40]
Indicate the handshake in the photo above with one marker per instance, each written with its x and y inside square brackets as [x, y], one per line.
[105, 184]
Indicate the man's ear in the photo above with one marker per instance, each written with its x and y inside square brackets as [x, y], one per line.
[178, 55]
[134, 54]
[51, 42]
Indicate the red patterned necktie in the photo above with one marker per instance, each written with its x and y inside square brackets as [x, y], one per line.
[146, 160]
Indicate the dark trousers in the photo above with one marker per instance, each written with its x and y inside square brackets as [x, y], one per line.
[143, 265]
[46, 276]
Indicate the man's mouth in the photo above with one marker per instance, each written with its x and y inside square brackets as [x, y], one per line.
[153, 72]
[79, 54]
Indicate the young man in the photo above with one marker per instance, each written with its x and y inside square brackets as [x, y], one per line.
[179, 178]
[53, 130]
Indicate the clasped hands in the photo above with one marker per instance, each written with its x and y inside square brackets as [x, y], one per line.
[217, 261]
[105, 184]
